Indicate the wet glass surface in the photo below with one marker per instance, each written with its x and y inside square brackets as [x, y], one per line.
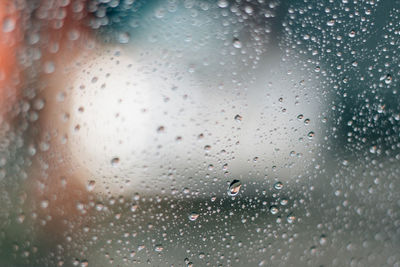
[199, 133]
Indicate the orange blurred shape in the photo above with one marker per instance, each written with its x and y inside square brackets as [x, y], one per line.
[9, 39]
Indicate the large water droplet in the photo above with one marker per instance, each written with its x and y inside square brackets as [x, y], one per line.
[273, 209]
[223, 3]
[238, 118]
[236, 43]
[158, 248]
[291, 218]
[193, 216]
[234, 188]
[90, 185]
[115, 161]
[44, 204]
[8, 24]
[278, 185]
[388, 79]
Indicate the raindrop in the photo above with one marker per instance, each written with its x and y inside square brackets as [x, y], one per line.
[278, 185]
[234, 188]
[207, 148]
[115, 161]
[193, 216]
[90, 185]
[223, 3]
[158, 248]
[134, 207]
[291, 218]
[99, 206]
[388, 79]
[249, 10]
[331, 22]
[44, 204]
[273, 209]
[238, 118]
[322, 240]
[160, 129]
[237, 43]
[123, 38]
[21, 218]
[8, 24]
[49, 67]
[284, 202]
[311, 135]
[39, 104]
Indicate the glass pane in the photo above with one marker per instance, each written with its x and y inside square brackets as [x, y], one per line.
[199, 133]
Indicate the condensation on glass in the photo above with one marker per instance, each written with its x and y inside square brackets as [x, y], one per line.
[199, 133]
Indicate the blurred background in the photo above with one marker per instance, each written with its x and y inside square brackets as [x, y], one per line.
[199, 133]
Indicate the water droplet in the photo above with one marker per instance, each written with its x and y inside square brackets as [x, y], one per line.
[193, 216]
[323, 240]
[273, 209]
[160, 129]
[115, 161]
[223, 3]
[99, 206]
[123, 38]
[207, 148]
[225, 167]
[291, 218]
[248, 9]
[238, 118]
[134, 207]
[284, 202]
[234, 188]
[44, 204]
[39, 104]
[300, 117]
[49, 67]
[237, 43]
[90, 186]
[278, 185]
[21, 218]
[372, 149]
[311, 135]
[158, 248]
[331, 22]
[352, 33]
[388, 79]
[8, 24]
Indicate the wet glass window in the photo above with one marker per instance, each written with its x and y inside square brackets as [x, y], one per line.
[199, 133]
